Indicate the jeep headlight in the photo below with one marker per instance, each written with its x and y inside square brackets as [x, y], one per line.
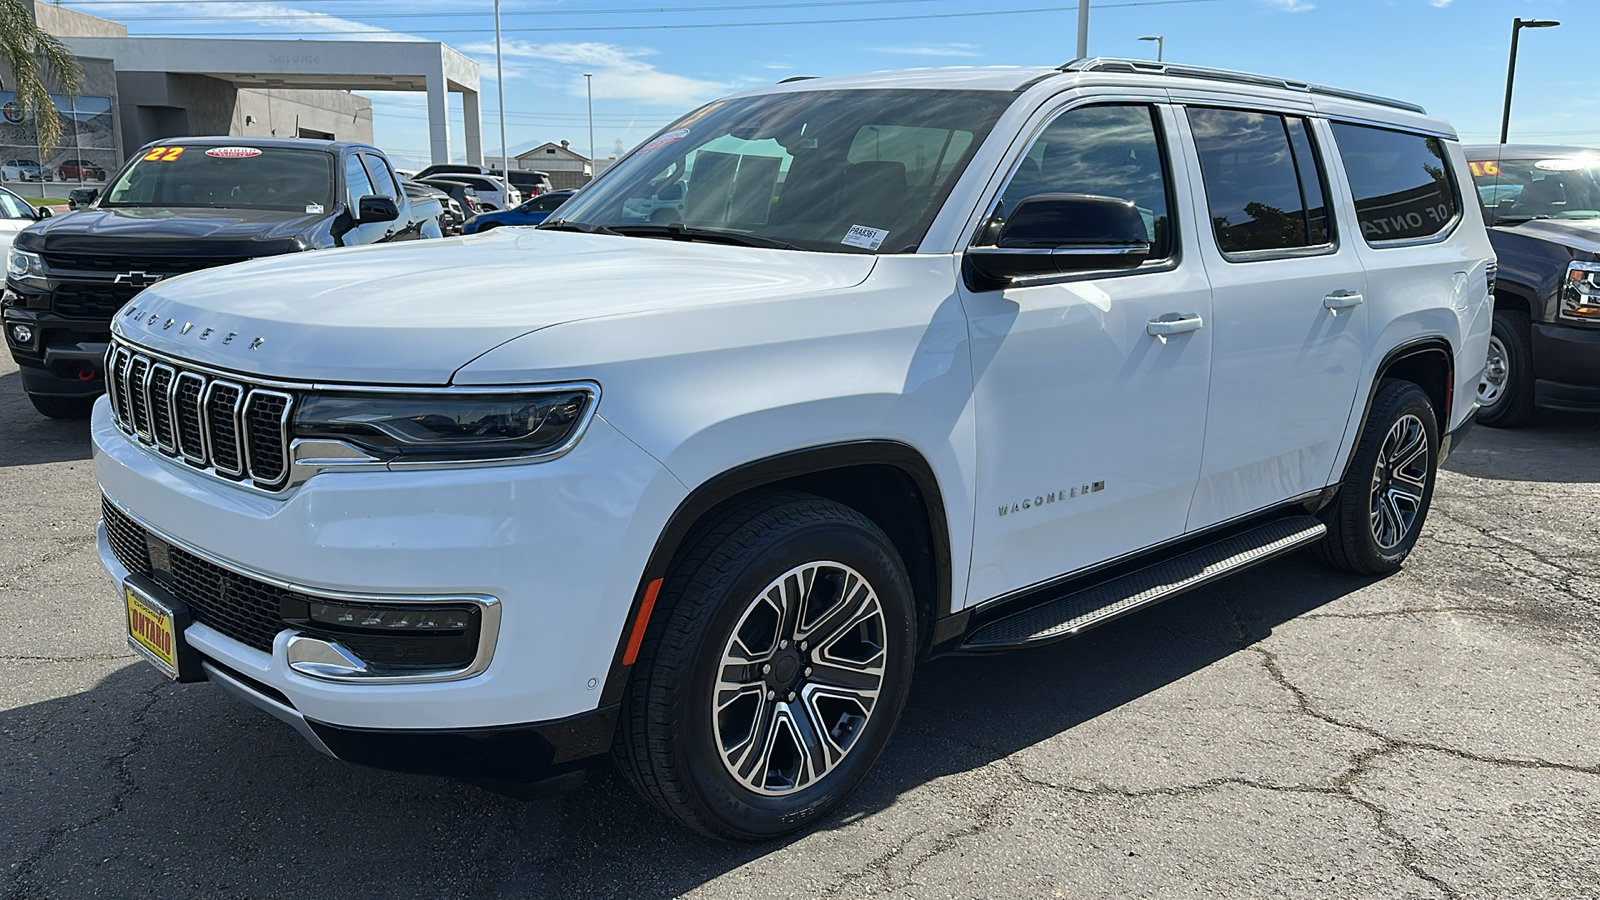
[465, 426]
[1580, 292]
[22, 264]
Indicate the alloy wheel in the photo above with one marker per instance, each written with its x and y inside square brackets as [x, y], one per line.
[1400, 481]
[1496, 374]
[799, 678]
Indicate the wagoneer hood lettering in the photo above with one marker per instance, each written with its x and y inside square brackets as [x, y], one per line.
[376, 314]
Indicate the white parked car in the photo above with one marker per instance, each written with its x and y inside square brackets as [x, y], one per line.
[935, 361]
[15, 215]
[491, 189]
[25, 170]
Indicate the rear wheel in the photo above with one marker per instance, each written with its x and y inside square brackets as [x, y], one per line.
[774, 674]
[1505, 393]
[63, 407]
[1384, 499]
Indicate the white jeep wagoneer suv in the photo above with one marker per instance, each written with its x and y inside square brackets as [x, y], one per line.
[927, 362]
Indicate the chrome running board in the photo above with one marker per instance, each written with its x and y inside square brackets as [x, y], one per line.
[1097, 604]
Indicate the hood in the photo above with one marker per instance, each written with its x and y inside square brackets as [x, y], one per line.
[1579, 234]
[414, 313]
[157, 231]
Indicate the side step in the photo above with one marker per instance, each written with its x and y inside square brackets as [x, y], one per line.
[1097, 604]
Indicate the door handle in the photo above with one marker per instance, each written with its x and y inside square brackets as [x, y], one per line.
[1173, 323]
[1342, 300]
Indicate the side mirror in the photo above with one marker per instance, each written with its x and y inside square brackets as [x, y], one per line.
[1057, 234]
[45, 212]
[373, 208]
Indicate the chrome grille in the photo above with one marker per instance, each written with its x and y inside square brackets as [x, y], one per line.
[229, 428]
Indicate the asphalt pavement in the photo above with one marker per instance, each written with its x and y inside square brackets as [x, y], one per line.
[1291, 732]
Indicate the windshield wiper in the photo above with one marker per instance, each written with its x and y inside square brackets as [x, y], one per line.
[679, 232]
[580, 227]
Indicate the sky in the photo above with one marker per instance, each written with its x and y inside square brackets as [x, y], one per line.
[651, 63]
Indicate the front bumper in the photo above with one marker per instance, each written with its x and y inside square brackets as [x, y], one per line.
[65, 358]
[561, 544]
[1566, 368]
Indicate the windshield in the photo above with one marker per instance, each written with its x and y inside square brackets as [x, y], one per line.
[227, 178]
[841, 171]
[545, 202]
[1516, 190]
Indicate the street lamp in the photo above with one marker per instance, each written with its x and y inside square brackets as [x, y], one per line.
[1511, 67]
[588, 85]
[500, 93]
[1083, 29]
[1161, 44]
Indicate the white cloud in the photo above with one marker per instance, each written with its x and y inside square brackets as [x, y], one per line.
[1293, 6]
[933, 50]
[620, 73]
[241, 17]
[1441, 4]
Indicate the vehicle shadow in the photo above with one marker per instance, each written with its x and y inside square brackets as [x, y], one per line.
[28, 438]
[1558, 448]
[159, 788]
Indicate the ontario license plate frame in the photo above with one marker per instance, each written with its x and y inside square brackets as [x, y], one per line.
[156, 624]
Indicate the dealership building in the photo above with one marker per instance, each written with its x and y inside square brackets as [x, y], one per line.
[142, 89]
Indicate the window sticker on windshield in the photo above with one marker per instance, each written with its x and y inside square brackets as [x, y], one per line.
[163, 154]
[233, 152]
[1484, 168]
[671, 137]
[314, 209]
[862, 236]
[1563, 165]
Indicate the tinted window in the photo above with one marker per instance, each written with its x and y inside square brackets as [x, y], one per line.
[381, 179]
[356, 184]
[1263, 184]
[12, 207]
[1107, 151]
[233, 177]
[1401, 182]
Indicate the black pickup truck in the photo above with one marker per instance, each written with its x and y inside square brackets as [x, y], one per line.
[179, 206]
[1542, 206]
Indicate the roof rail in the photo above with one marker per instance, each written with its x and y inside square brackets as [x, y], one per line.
[1147, 67]
[793, 78]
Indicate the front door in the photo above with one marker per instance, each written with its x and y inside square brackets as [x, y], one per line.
[1287, 306]
[1089, 428]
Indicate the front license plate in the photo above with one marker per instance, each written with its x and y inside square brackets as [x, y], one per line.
[152, 630]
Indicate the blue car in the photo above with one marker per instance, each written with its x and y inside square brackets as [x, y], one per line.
[532, 212]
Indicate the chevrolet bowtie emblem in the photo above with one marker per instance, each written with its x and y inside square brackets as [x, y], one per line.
[137, 279]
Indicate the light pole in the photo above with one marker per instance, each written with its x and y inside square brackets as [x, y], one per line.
[1161, 44]
[588, 84]
[500, 93]
[1511, 67]
[1083, 28]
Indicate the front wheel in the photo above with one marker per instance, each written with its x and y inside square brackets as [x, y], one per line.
[773, 672]
[1505, 393]
[1384, 499]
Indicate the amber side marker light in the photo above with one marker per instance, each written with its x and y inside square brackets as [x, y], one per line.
[640, 621]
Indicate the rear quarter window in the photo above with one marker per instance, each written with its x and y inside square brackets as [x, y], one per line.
[1404, 189]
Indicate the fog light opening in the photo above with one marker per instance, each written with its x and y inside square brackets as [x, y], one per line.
[22, 334]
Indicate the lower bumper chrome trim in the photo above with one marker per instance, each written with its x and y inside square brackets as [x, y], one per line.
[245, 692]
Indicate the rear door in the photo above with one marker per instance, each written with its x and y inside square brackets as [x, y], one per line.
[1290, 329]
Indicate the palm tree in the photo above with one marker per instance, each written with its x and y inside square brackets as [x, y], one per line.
[37, 60]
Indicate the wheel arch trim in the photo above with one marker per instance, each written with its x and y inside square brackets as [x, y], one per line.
[741, 479]
[1430, 345]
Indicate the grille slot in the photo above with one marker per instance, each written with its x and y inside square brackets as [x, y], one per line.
[222, 426]
[90, 300]
[233, 429]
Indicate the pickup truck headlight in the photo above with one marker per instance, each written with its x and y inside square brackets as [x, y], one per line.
[1580, 292]
[22, 264]
[406, 426]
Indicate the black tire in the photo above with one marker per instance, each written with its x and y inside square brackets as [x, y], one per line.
[671, 745]
[1359, 537]
[63, 407]
[1512, 405]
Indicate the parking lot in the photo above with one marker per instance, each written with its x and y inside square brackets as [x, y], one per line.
[1288, 733]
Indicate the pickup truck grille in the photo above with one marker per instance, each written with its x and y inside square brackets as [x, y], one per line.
[228, 427]
[154, 265]
[90, 300]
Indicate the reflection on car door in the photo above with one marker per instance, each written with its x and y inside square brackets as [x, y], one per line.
[1287, 294]
[1089, 428]
[15, 215]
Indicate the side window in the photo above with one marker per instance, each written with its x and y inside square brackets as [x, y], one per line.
[356, 183]
[380, 177]
[1264, 185]
[1107, 151]
[1401, 182]
[13, 208]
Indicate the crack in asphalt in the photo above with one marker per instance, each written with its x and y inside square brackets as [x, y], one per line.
[19, 889]
[65, 546]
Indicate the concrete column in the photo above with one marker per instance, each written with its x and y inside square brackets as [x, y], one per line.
[473, 123]
[438, 116]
